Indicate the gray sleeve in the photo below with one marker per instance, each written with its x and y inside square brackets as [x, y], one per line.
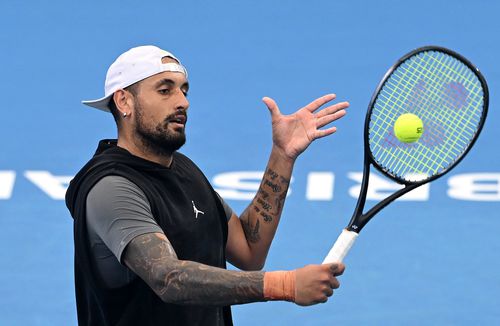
[118, 211]
[227, 210]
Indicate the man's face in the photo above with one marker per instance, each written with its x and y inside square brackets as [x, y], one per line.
[161, 111]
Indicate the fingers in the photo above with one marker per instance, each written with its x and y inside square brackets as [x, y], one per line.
[311, 107]
[334, 283]
[327, 116]
[332, 109]
[316, 283]
[329, 291]
[324, 132]
[317, 103]
[323, 121]
[336, 269]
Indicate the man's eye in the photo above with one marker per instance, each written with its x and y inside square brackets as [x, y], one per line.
[185, 93]
[164, 91]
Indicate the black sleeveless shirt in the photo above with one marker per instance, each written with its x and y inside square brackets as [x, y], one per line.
[171, 193]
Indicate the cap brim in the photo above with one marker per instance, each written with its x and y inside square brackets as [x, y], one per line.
[101, 104]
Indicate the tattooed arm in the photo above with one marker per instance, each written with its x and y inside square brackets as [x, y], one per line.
[251, 234]
[152, 258]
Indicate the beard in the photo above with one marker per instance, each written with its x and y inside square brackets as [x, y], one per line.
[159, 139]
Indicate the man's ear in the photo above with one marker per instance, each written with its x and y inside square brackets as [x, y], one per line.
[123, 101]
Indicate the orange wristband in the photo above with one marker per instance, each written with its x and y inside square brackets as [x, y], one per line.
[279, 285]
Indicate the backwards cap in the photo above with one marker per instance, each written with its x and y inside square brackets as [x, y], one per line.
[132, 66]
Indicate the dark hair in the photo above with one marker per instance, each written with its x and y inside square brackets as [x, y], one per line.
[134, 90]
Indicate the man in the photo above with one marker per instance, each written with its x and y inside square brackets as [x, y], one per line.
[152, 236]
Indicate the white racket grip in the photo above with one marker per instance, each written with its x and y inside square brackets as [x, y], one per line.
[341, 247]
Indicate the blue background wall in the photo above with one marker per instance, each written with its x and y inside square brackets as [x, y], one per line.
[432, 261]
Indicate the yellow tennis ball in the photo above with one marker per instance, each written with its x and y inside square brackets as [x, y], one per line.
[408, 128]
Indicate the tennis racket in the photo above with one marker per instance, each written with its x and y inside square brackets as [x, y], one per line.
[449, 95]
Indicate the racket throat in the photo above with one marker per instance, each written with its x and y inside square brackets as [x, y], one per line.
[357, 223]
[358, 219]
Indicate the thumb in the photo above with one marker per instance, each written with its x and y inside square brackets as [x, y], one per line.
[271, 105]
[337, 269]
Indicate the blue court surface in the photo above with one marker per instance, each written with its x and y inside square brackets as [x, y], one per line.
[431, 259]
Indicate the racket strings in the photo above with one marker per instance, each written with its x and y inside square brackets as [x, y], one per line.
[426, 104]
[446, 94]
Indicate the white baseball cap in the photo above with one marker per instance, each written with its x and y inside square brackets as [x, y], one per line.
[132, 66]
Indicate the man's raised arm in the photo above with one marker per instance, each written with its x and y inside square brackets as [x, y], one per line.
[251, 234]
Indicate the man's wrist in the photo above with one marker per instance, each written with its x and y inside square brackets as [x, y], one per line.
[280, 155]
[279, 285]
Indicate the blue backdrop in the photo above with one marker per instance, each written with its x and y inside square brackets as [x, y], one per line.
[431, 259]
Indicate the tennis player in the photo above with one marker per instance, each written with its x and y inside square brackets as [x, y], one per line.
[152, 237]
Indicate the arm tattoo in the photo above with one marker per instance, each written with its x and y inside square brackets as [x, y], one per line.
[273, 175]
[152, 258]
[251, 232]
[267, 204]
[272, 204]
[279, 203]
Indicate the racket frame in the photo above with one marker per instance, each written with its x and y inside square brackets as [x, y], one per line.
[360, 219]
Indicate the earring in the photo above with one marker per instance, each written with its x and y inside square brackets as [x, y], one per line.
[124, 114]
